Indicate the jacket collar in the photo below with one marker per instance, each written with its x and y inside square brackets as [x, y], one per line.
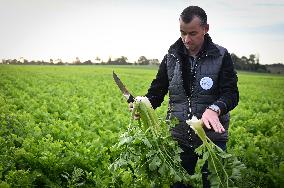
[208, 48]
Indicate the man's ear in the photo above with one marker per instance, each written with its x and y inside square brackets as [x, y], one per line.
[206, 28]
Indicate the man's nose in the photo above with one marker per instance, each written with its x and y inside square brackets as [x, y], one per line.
[187, 39]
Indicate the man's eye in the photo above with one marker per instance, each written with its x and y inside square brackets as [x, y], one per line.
[183, 33]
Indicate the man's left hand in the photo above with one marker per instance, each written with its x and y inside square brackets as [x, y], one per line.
[211, 120]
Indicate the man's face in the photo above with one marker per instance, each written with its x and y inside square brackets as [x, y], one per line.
[192, 34]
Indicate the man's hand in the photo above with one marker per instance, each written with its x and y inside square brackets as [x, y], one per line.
[130, 107]
[210, 119]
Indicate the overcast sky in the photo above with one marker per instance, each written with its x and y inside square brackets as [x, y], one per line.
[66, 29]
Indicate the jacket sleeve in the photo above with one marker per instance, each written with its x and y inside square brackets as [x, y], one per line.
[228, 89]
[159, 86]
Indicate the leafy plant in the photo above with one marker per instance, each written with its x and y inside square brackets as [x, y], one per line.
[223, 167]
[75, 179]
[148, 156]
[55, 118]
[147, 149]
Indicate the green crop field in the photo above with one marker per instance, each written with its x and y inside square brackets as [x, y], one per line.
[59, 123]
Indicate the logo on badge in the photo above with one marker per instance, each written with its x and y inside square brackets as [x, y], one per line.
[206, 83]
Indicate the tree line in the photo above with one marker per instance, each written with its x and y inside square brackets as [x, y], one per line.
[123, 60]
[250, 63]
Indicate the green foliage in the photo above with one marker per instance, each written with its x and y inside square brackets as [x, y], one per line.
[74, 179]
[54, 119]
[256, 132]
[148, 156]
[147, 153]
[224, 168]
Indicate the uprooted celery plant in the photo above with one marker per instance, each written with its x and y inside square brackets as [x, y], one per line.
[224, 168]
[149, 157]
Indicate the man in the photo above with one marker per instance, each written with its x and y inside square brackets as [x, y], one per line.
[201, 81]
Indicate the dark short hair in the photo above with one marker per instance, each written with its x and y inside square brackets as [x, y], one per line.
[190, 12]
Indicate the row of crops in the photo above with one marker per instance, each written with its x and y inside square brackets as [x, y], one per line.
[58, 125]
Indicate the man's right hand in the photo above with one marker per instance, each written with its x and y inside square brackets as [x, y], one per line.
[130, 107]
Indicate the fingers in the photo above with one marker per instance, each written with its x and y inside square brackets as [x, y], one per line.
[206, 123]
[211, 120]
[221, 127]
[217, 126]
[130, 108]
